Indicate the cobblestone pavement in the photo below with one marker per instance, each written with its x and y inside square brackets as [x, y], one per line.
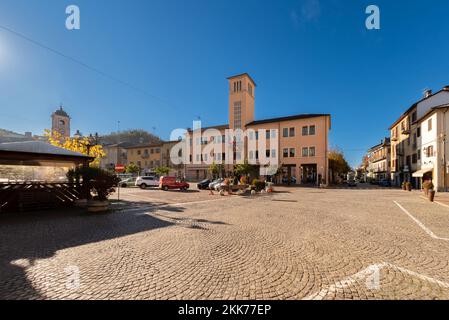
[295, 244]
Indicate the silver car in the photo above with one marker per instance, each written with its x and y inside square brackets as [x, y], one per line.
[214, 183]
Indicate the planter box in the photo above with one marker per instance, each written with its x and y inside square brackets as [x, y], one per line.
[97, 206]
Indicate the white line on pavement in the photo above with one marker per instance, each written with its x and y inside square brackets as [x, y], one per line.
[365, 273]
[419, 223]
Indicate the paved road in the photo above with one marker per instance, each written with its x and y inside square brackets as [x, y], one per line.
[296, 244]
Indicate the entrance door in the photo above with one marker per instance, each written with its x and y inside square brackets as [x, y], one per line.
[309, 174]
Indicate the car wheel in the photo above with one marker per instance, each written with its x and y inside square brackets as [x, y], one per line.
[165, 188]
[143, 186]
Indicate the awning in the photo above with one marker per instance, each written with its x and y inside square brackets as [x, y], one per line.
[421, 173]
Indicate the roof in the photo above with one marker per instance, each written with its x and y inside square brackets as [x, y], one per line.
[145, 145]
[218, 127]
[39, 147]
[241, 75]
[384, 142]
[445, 89]
[61, 112]
[288, 118]
[432, 110]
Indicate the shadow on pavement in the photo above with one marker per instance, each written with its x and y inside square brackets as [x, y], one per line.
[40, 235]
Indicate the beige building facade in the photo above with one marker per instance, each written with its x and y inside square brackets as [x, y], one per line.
[297, 144]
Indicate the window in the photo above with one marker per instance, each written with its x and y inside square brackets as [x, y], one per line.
[139, 164]
[292, 132]
[312, 152]
[430, 151]
[273, 134]
[250, 89]
[237, 114]
[139, 152]
[257, 135]
[429, 125]
[158, 150]
[414, 117]
[267, 134]
[273, 153]
[285, 153]
[419, 155]
[257, 155]
[418, 132]
[285, 132]
[238, 156]
[205, 157]
[312, 130]
[223, 138]
[305, 131]
[251, 135]
[251, 155]
[415, 158]
[292, 152]
[267, 153]
[305, 152]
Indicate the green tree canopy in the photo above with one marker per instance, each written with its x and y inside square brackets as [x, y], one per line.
[162, 171]
[132, 168]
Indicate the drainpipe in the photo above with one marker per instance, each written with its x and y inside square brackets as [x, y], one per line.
[444, 152]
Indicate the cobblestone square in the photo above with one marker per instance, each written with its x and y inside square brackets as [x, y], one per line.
[297, 243]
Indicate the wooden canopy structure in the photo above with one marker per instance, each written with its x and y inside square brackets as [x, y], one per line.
[23, 193]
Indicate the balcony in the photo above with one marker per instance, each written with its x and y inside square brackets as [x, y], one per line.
[405, 129]
[394, 138]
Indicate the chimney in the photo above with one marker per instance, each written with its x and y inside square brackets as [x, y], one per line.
[427, 93]
[446, 88]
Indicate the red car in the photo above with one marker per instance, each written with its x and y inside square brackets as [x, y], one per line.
[166, 183]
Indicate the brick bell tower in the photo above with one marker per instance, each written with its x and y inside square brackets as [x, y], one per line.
[241, 100]
[60, 122]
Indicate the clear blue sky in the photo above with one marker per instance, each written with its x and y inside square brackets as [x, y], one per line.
[309, 56]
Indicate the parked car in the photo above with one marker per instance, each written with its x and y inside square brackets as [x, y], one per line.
[285, 180]
[203, 185]
[351, 183]
[170, 183]
[147, 181]
[385, 183]
[127, 182]
[215, 182]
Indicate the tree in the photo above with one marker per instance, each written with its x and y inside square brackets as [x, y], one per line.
[244, 169]
[215, 169]
[337, 163]
[132, 169]
[162, 171]
[134, 137]
[82, 145]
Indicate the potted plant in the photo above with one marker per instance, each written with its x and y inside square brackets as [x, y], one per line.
[408, 186]
[427, 185]
[431, 191]
[100, 183]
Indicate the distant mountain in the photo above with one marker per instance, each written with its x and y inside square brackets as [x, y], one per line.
[11, 136]
[132, 137]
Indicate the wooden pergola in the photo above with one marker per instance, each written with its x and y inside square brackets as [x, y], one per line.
[21, 194]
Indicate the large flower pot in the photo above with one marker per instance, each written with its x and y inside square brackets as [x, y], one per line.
[431, 195]
[81, 203]
[96, 206]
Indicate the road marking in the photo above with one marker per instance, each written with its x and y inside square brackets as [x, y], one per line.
[419, 223]
[365, 274]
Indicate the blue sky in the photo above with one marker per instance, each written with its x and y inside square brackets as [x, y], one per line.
[309, 56]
